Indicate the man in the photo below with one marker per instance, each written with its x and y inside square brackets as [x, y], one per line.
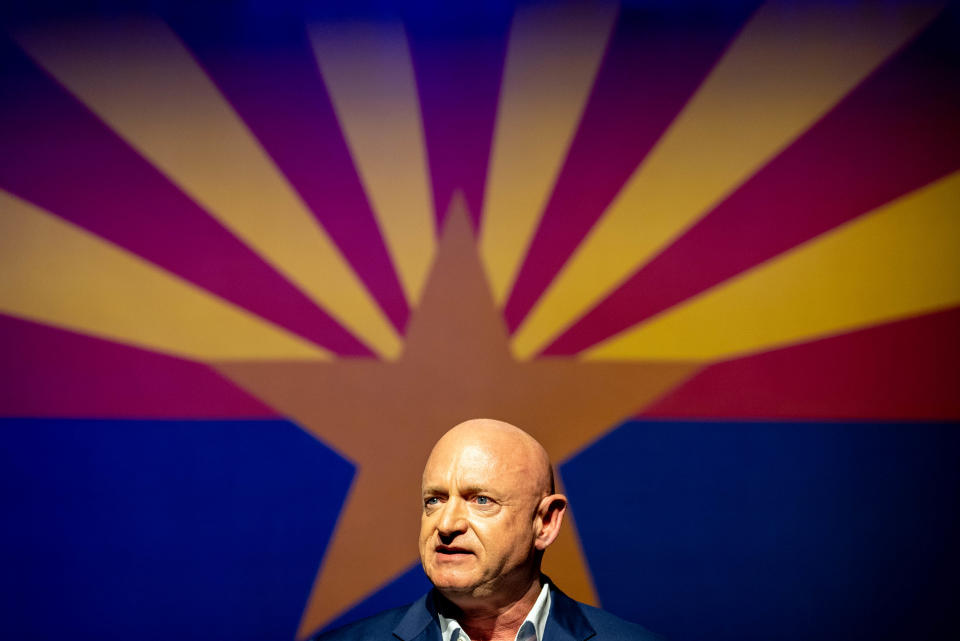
[490, 511]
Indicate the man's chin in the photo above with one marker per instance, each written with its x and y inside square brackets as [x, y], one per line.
[452, 581]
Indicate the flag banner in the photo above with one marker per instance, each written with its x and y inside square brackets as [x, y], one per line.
[256, 258]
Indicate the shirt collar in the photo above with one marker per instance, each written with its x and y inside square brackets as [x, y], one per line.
[530, 630]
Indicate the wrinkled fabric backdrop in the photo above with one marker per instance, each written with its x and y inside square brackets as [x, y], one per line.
[256, 258]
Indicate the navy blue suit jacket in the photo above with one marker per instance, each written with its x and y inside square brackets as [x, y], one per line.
[569, 620]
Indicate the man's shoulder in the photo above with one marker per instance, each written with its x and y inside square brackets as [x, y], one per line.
[610, 626]
[606, 626]
[378, 625]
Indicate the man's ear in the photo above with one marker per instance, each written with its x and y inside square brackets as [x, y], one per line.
[549, 518]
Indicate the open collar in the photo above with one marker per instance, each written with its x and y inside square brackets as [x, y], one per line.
[565, 623]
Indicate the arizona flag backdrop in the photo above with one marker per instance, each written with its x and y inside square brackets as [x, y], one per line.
[255, 260]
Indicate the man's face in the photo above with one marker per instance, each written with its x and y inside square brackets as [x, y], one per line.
[477, 529]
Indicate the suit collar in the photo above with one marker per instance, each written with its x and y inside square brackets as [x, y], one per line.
[416, 623]
[565, 623]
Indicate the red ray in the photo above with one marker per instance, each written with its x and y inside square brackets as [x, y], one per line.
[60, 157]
[52, 372]
[903, 370]
[269, 74]
[654, 63]
[458, 62]
[897, 132]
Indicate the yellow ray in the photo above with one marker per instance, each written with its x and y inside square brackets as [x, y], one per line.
[899, 261]
[552, 59]
[789, 66]
[139, 78]
[369, 74]
[59, 274]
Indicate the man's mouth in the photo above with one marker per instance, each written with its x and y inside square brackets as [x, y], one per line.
[452, 550]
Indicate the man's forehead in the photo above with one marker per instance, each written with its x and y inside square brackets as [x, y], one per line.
[485, 453]
[473, 460]
[475, 466]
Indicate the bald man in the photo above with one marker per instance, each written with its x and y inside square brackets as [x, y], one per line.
[490, 511]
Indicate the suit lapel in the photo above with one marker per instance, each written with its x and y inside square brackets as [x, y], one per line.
[566, 621]
[416, 623]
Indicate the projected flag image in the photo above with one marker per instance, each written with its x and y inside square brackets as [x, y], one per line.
[255, 261]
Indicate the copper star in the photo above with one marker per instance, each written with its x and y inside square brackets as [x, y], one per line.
[385, 417]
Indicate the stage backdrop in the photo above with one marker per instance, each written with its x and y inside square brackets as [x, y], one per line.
[255, 260]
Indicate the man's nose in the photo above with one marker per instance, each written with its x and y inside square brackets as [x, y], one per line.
[453, 519]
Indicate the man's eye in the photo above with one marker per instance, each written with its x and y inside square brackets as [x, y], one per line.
[431, 501]
[483, 500]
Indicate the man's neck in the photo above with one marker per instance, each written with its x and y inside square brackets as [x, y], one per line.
[497, 623]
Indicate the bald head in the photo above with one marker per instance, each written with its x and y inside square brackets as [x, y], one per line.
[489, 512]
[515, 448]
